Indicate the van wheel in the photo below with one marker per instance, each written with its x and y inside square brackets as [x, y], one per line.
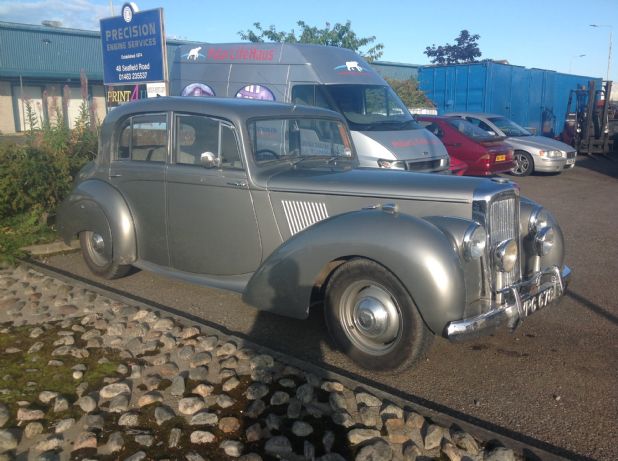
[524, 165]
[93, 250]
[373, 319]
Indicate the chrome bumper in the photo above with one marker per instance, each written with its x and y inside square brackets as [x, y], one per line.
[515, 309]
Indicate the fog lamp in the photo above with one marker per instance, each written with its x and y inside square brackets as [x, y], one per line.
[505, 255]
[474, 242]
[544, 240]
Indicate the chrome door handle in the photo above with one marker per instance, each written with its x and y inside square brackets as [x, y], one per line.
[237, 184]
[115, 175]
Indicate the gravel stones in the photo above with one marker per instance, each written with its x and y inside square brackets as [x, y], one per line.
[28, 414]
[8, 440]
[163, 414]
[4, 414]
[112, 390]
[229, 424]
[232, 448]
[204, 418]
[203, 390]
[378, 451]
[190, 405]
[33, 429]
[279, 445]
[178, 386]
[85, 440]
[257, 391]
[87, 404]
[202, 437]
[356, 436]
[301, 429]
[129, 419]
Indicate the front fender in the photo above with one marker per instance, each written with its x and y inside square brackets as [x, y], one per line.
[95, 205]
[414, 250]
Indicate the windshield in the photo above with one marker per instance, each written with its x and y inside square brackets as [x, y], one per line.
[294, 139]
[468, 129]
[509, 127]
[365, 107]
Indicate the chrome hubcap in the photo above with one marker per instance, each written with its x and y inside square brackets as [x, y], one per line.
[98, 244]
[372, 320]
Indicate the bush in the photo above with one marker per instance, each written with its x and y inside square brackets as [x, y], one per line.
[39, 174]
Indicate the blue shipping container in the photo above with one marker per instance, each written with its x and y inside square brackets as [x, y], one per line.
[533, 98]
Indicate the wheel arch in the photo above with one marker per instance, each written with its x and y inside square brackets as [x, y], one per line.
[97, 206]
[415, 251]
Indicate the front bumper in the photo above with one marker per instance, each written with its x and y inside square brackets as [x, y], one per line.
[521, 301]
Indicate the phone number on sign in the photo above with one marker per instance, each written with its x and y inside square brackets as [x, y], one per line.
[133, 76]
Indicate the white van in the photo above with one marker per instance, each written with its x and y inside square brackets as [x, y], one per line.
[384, 132]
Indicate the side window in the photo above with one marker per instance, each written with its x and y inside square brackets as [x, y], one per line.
[303, 94]
[197, 134]
[433, 128]
[481, 124]
[144, 138]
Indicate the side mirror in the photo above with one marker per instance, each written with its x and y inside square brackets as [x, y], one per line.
[209, 160]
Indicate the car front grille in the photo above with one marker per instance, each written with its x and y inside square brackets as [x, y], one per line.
[571, 154]
[502, 220]
[424, 165]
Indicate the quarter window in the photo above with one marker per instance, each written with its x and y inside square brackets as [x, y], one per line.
[143, 138]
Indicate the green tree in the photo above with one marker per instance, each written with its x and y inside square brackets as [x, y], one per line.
[409, 92]
[340, 35]
[465, 49]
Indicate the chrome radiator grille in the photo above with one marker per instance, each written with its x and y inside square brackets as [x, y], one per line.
[502, 221]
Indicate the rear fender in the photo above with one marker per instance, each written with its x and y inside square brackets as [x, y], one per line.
[96, 206]
[414, 250]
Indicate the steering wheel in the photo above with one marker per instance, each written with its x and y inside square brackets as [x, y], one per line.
[266, 154]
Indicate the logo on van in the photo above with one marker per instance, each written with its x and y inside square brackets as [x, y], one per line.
[350, 67]
[194, 54]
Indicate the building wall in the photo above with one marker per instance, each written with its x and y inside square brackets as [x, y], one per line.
[7, 120]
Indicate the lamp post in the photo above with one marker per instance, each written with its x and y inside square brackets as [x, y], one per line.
[609, 55]
[571, 61]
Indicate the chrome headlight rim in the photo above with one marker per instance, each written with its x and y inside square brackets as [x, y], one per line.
[544, 240]
[539, 219]
[505, 255]
[474, 242]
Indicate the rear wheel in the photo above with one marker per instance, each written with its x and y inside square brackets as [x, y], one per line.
[372, 317]
[94, 251]
[524, 165]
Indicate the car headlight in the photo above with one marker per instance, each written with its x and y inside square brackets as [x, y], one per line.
[474, 242]
[550, 153]
[538, 220]
[544, 240]
[392, 164]
[505, 255]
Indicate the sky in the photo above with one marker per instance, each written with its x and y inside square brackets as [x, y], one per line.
[546, 34]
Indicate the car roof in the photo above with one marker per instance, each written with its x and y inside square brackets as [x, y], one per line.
[476, 114]
[235, 109]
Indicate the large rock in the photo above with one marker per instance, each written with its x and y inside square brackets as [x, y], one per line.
[379, 451]
[356, 436]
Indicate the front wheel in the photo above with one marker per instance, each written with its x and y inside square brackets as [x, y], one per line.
[95, 254]
[372, 317]
[524, 165]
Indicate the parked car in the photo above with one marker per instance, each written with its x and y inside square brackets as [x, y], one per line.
[482, 153]
[265, 199]
[532, 153]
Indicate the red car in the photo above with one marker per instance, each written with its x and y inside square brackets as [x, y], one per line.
[483, 154]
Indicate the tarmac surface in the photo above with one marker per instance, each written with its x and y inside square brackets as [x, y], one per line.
[553, 382]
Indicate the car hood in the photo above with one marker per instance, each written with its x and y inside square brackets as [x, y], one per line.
[409, 144]
[538, 142]
[373, 182]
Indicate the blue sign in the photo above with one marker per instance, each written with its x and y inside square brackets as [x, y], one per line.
[133, 47]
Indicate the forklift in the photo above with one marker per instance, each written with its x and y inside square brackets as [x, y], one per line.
[591, 124]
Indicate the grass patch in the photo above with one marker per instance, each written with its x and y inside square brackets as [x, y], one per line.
[23, 376]
[20, 231]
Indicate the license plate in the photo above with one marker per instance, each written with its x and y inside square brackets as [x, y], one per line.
[539, 300]
[570, 161]
[500, 158]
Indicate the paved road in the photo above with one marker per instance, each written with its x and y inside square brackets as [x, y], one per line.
[554, 380]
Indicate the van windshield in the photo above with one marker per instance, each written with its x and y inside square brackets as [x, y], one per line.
[365, 107]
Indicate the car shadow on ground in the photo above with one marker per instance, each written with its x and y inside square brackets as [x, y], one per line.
[604, 164]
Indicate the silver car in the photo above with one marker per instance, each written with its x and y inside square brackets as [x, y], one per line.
[266, 199]
[531, 153]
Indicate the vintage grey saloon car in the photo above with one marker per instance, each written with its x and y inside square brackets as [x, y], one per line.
[266, 199]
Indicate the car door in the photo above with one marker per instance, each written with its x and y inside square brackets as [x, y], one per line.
[137, 170]
[211, 222]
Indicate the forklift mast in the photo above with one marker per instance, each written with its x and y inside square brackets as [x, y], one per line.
[587, 124]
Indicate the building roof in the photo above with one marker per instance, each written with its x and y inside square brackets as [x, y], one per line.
[54, 52]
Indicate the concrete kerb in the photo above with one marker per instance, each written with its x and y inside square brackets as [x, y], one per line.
[439, 418]
[53, 248]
